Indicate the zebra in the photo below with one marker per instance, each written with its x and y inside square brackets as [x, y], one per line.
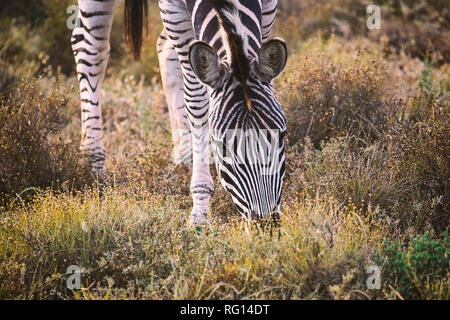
[217, 68]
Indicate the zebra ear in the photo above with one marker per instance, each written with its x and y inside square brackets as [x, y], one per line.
[272, 59]
[205, 63]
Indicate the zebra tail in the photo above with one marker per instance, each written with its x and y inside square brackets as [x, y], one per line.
[136, 17]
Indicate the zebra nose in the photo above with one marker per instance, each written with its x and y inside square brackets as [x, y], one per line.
[273, 215]
[254, 216]
[276, 217]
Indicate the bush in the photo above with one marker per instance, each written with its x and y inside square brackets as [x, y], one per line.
[356, 176]
[403, 181]
[422, 158]
[34, 148]
[363, 149]
[32, 10]
[421, 148]
[325, 99]
[418, 269]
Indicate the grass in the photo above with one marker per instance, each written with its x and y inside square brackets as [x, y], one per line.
[366, 183]
[133, 243]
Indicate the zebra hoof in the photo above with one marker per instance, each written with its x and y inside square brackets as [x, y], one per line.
[198, 217]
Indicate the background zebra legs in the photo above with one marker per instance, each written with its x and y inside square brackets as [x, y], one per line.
[172, 79]
[178, 25]
[90, 44]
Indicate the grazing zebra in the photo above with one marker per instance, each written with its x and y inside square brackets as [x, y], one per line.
[217, 69]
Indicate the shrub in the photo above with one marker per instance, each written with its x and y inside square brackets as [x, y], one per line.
[362, 148]
[7, 78]
[403, 181]
[421, 148]
[324, 99]
[32, 10]
[357, 176]
[422, 153]
[354, 176]
[304, 19]
[34, 149]
[418, 269]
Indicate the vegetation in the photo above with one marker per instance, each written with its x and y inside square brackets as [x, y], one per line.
[419, 268]
[33, 150]
[367, 167]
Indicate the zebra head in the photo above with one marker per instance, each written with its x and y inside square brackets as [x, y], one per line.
[247, 123]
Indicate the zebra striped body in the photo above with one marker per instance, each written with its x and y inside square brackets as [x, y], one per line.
[217, 75]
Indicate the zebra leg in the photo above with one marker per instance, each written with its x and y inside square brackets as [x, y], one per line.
[172, 79]
[178, 25]
[269, 12]
[91, 48]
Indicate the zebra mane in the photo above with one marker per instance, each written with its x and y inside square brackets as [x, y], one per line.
[228, 14]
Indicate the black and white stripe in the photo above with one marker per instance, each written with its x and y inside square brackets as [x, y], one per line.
[90, 44]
